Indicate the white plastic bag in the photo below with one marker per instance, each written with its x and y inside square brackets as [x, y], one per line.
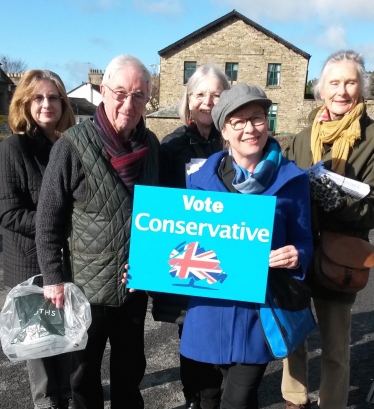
[32, 327]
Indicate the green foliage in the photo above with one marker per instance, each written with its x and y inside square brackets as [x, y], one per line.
[309, 86]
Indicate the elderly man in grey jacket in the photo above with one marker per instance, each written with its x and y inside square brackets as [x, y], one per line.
[85, 209]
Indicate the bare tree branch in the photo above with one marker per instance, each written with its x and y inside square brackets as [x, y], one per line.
[9, 64]
[153, 104]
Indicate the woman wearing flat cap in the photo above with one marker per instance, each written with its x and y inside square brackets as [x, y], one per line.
[224, 332]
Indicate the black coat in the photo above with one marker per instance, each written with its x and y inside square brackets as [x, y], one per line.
[179, 147]
[23, 159]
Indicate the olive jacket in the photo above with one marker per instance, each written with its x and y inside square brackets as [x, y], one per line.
[356, 218]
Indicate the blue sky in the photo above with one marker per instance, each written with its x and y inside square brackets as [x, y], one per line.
[69, 36]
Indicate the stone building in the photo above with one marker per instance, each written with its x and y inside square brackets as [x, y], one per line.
[246, 52]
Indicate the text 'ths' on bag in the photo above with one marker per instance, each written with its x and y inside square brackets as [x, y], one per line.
[342, 263]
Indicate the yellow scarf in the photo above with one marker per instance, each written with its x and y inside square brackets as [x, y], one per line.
[342, 134]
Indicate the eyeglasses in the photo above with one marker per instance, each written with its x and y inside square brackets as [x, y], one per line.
[137, 97]
[52, 98]
[201, 96]
[239, 124]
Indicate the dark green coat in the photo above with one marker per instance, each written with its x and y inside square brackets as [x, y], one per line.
[100, 235]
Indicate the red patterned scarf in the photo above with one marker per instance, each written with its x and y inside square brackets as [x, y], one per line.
[125, 156]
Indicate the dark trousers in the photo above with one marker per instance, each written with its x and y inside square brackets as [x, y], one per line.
[201, 381]
[242, 383]
[50, 380]
[124, 326]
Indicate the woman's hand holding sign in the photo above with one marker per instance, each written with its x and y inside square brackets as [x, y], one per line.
[284, 257]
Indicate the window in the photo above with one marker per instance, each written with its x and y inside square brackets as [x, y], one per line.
[231, 71]
[189, 69]
[274, 73]
[272, 118]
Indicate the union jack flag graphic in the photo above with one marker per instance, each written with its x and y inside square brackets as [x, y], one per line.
[192, 261]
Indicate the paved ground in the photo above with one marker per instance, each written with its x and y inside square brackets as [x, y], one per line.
[161, 385]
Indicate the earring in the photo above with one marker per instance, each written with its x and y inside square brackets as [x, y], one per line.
[190, 121]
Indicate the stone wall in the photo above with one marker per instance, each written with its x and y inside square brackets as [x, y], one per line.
[370, 108]
[235, 41]
[163, 126]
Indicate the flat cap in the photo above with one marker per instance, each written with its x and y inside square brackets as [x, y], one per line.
[239, 95]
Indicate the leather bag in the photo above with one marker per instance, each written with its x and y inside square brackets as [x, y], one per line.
[342, 263]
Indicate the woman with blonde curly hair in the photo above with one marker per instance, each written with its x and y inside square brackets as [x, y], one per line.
[39, 112]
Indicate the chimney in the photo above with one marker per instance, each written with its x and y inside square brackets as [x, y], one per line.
[95, 77]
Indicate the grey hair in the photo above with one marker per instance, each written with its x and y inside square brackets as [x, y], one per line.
[125, 60]
[344, 55]
[207, 70]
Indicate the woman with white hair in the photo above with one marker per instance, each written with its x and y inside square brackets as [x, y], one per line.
[342, 136]
[197, 138]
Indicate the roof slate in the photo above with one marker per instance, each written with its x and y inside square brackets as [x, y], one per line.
[81, 106]
[5, 78]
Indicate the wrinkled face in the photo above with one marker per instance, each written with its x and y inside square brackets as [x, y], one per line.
[203, 99]
[46, 105]
[341, 89]
[247, 144]
[125, 115]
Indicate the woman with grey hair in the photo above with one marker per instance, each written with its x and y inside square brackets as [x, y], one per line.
[342, 136]
[197, 138]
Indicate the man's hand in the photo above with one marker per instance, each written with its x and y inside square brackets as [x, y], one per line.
[124, 277]
[55, 293]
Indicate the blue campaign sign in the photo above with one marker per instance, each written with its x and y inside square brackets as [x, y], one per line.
[208, 244]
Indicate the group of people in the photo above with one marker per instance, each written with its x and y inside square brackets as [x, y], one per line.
[66, 198]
